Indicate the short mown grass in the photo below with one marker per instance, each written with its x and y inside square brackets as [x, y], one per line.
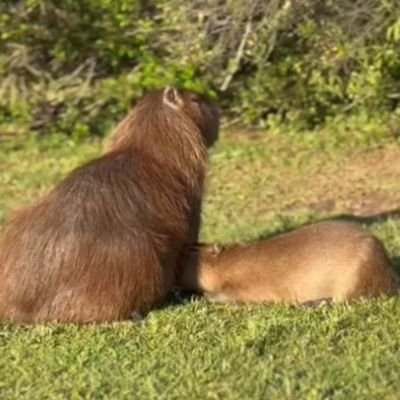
[259, 184]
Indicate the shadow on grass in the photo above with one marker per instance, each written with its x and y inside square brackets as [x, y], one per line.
[396, 263]
[288, 225]
[177, 298]
[369, 219]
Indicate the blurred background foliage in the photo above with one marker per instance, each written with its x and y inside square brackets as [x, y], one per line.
[76, 66]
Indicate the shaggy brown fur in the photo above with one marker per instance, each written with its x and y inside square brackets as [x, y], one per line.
[330, 260]
[102, 245]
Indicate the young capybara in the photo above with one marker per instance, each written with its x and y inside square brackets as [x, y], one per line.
[334, 261]
[103, 244]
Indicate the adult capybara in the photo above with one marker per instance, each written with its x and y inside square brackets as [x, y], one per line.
[103, 244]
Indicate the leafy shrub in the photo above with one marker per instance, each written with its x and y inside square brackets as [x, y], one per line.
[76, 66]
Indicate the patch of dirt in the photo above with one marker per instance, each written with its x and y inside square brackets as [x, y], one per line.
[367, 183]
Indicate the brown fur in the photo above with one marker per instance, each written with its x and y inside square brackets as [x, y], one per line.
[103, 244]
[330, 260]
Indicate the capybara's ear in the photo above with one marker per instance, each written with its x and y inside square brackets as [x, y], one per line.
[172, 97]
[216, 249]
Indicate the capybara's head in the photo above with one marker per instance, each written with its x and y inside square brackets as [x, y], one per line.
[196, 107]
[199, 254]
[195, 260]
[168, 118]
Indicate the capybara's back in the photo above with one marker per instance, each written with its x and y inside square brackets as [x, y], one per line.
[103, 243]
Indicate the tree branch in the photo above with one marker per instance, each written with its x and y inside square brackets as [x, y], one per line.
[236, 61]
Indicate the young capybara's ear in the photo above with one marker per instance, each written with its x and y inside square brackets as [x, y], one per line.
[195, 246]
[203, 248]
[172, 98]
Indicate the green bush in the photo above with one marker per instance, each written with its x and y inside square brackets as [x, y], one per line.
[77, 66]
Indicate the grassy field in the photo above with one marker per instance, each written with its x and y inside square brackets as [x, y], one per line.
[259, 184]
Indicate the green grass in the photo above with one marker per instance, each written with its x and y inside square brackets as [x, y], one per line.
[259, 184]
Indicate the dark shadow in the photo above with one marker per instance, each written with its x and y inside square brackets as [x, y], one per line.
[179, 295]
[176, 298]
[361, 219]
[396, 263]
[368, 219]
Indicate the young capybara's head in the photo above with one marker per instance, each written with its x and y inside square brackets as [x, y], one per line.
[196, 254]
[196, 259]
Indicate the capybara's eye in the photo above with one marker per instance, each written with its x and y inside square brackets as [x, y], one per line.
[195, 98]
